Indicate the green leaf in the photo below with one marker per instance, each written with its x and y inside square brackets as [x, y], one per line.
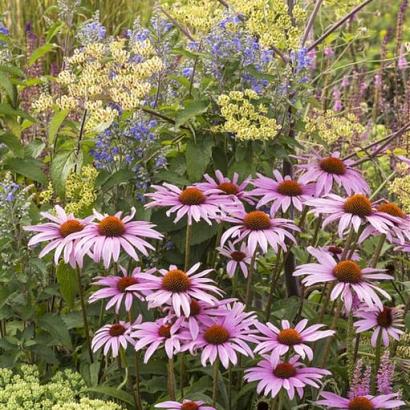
[53, 31]
[55, 124]
[197, 157]
[192, 109]
[55, 325]
[67, 280]
[28, 167]
[7, 109]
[12, 143]
[11, 69]
[8, 86]
[113, 393]
[119, 177]
[63, 163]
[40, 52]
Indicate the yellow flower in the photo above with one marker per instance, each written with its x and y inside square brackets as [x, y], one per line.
[246, 117]
[332, 127]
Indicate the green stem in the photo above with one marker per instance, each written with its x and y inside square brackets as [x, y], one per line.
[248, 298]
[137, 392]
[378, 251]
[84, 313]
[349, 345]
[326, 349]
[349, 241]
[377, 357]
[188, 238]
[181, 374]
[171, 379]
[215, 382]
[272, 286]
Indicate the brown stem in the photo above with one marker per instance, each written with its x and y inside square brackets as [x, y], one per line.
[311, 20]
[338, 24]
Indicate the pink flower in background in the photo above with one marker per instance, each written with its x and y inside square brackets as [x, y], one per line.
[281, 192]
[337, 252]
[259, 230]
[348, 277]
[158, 334]
[399, 231]
[110, 234]
[114, 336]
[192, 202]
[385, 320]
[238, 258]
[352, 212]
[185, 405]
[116, 288]
[331, 170]
[224, 336]
[225, 186]
[278, 342]
[273, 375]
[58, 233]
[199, 312]
[385, 401]
[178, 288]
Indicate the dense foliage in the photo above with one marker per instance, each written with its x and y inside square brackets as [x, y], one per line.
[205, 205]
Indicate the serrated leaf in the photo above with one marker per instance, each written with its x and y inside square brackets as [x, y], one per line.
[40, 52]
[113, 393]
[67, 280]
[55, 124]
[197, 157]
[61, 166]
[55, 325]
[28, 167]
[191, 110]
[12, 143]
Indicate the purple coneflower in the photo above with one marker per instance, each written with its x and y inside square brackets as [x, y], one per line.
[327, 171]
[224, 336]
[114, 336]
[351, 212]
[337, 252]
[260, 230]
[348, 277]
[177, 288]
[281, 192]
[279, 341]
[116, 288]
[192, 201]
[161, 333]
[274, 374]
[334, 401]
[110, 234]
[237, 258]
[185, 405]
[226, 186]
[199, 312]
[58, 233]
[385, 319]
[399, 231]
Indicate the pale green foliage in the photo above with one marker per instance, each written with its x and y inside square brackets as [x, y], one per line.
[24, 390]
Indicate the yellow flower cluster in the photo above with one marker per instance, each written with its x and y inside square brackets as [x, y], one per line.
[197, 15]
[341, 7]
[332, 127]
[246, 117]
[80, 191]
[269, 20]
[400, 187]
[101, 73]
[47, 195]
